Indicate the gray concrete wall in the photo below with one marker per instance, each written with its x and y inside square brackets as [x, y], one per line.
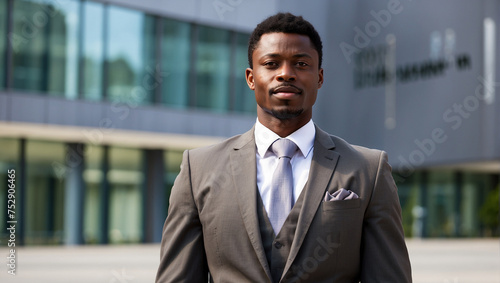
[240, 15]
[46, 110]
[439, 119]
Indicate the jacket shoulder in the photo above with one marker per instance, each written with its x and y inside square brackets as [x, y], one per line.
[222, 148]
[344, 148]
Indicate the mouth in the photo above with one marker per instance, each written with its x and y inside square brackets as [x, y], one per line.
[285, 91]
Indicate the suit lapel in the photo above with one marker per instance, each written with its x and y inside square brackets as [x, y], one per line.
[244, 172]
[323, 164]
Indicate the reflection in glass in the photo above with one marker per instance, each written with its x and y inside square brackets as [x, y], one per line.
[175, 63]
[244, 98]
[44, 192]
[9, 155]
[408, 192]
[475, 192]
[441, 204]
[3, 43]
[125, 179]
[213, 53]
[92, 177]
[93, 48]
[45, 55]
[172, 159]
[130, 54]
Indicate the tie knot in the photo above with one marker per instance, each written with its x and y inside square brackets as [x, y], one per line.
[284, 148]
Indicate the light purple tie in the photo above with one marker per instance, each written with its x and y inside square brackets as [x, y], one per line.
[282, 183]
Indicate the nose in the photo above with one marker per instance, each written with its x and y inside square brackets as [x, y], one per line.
[286, 73]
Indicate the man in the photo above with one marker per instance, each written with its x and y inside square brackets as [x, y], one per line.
[326, 211]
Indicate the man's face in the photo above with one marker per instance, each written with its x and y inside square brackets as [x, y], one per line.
[285, 76]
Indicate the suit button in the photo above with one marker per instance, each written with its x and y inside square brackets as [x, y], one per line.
[278, 245]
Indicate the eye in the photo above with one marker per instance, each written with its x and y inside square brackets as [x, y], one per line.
[302, 64]
[270, 64]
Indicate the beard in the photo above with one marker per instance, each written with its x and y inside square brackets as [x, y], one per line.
[286, 114]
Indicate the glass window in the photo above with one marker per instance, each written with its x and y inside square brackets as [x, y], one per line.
[173, 160]
[44, 192]
[131, 61]
[441, 210]
[213, 53]
[9, 154]
[176, 51]
[93, 50]
[92, 177]
[125, 179]
[489, 209]
[3, 43]
[45, 44]
[476, 216]
[244, 97]
[408, 191]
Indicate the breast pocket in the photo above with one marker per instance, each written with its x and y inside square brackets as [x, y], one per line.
[341, 204]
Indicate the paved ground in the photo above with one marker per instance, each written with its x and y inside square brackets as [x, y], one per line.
[433, 261]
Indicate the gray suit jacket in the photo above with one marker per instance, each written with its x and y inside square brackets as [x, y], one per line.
[212, 223]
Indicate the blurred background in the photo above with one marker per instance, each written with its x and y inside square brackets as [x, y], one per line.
[99, 98]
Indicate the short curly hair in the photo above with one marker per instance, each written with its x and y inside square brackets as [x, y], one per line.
[286, 23]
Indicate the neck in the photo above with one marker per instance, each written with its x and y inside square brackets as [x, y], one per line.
[282, 127]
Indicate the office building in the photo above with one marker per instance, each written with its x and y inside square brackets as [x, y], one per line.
[98, 100]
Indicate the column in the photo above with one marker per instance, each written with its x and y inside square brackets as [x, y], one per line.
[74, 194]
[153, 195]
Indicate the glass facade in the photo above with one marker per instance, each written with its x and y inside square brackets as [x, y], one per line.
[93, 178]
[480, 201]
[441, 204]
[44, 192]
[114, 189]
[438, 203]
[45, 47]
[125, 179]
[9, 159]
[93, 50]
[408, 191]
[244, 97]
[131, 56]
[3, 44]
[213, 57]
[172, 160]
[29, 48]
[449, 203]
[175, 55]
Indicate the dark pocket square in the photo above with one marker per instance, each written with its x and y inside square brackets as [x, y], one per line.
[341, 194]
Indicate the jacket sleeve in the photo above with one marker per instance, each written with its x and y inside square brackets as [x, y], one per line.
[384, 253]
[182, 254]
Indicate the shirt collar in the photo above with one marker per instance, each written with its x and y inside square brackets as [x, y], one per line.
[303, 138]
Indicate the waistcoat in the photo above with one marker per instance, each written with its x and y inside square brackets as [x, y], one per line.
[277, 247]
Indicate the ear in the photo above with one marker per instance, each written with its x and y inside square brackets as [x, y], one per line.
[249, 77]
[320, 78]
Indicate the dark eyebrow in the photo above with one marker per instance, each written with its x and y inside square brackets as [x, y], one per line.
[302, 55]
[275, 55]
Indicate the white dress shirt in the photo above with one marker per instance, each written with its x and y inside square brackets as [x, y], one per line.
[267, 160]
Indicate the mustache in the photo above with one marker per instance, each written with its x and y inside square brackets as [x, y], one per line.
[288, 85]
